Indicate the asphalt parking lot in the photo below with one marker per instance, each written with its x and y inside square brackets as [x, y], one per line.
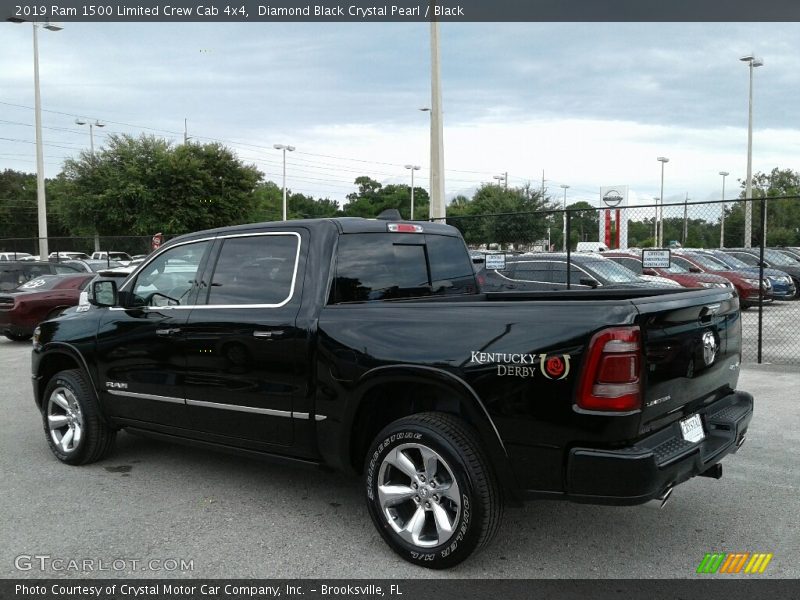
[234, 517]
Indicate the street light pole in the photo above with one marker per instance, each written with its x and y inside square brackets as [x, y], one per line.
[663, 160]
[41, 204]
[752, 62]
[565, 187]
[91, 150]
[412, 168]
[284, 148]
[655, 223]
[91, 132]
[437, 203]
[722, 218]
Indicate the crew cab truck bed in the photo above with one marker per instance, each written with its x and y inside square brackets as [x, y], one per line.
[365, 345]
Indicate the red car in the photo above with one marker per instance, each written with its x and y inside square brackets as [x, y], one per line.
[37, 300]
[746, 284]
[675, 272]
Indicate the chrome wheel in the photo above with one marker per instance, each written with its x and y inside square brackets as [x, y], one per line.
[418, 495]
[64, 419]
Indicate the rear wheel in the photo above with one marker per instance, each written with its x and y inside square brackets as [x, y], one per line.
[431, 491]
[75, 430]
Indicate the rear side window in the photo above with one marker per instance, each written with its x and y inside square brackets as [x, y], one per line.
[747, 258]
[378, 266]
[631, 263]
[255, 270]
[536, 271]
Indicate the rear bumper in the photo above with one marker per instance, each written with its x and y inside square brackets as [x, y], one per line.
[660, 461]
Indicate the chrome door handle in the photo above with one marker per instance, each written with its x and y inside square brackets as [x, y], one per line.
[267, 334]
[168, 331]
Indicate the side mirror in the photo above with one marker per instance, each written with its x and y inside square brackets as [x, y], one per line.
[104, 293]
[649, 272]
[695, 270]
[592, 283]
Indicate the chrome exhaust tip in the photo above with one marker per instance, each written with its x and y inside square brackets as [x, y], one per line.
[663, 498]
[659, 501]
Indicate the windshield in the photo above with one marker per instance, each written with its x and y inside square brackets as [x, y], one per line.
[675, 269]
[712, 264]
[611, 271]
[731, 261]
[776, 258]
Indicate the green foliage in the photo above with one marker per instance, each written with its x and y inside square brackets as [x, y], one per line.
[18, 208]
[17, 204]
[143, 185]
[373, 198]
[512, 222]
[783, 214]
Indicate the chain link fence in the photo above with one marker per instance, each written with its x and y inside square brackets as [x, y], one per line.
[583, 247]
[58, 247]
[706, 240]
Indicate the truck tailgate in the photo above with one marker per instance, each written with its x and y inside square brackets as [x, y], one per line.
[692, 347]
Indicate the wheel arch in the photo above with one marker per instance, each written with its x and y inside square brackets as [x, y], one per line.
[59, 357]
[388, 393]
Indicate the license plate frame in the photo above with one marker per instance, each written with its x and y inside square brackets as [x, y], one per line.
[692, 429]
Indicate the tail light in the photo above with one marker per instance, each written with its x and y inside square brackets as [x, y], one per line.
[611, 378]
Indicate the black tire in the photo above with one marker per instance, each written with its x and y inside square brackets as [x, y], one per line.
[96, 437]
[474, 523]
[18, 337]
[796, 289]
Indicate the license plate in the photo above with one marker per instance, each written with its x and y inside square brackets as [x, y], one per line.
[692, 429]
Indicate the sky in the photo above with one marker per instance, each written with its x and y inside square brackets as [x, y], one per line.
[590, 104]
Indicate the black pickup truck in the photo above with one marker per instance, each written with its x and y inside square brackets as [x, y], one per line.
[365, 345]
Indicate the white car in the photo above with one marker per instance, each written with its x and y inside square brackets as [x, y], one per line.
[121, 257]
[68, 255]
[6, 256]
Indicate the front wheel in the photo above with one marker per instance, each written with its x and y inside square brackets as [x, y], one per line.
[75, 430]
[431, 491]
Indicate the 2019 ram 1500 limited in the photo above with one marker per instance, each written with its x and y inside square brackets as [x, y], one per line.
[366, 346]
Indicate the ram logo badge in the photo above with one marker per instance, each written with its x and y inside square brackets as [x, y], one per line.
[116, 385]
[710, 348]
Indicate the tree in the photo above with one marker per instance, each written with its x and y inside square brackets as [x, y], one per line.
[509, 217]
[781, 187]
[373, 198]
[143, 185]
[17, 204]
[19, 212]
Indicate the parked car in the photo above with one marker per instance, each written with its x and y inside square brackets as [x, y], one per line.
[746, 284]
[772, 259]
[65, 255]
[790, 252]
[44, 297]
[591, 247]
[675, 272]
[91, 265]
[6, 256]
[548, 271]
[115, 256]
[15, 273]
[783, 287]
